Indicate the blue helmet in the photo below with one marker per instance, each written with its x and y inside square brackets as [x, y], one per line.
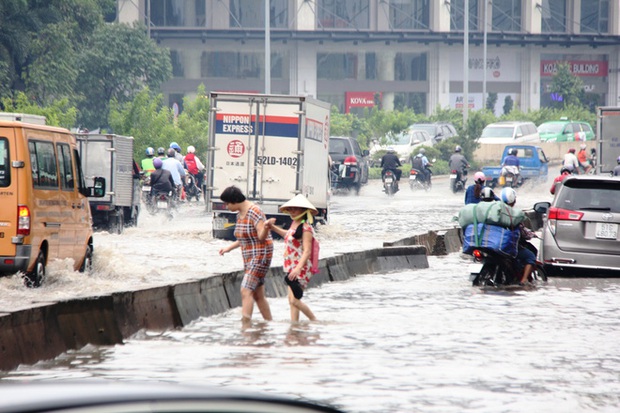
[150, 151]
[175, 146]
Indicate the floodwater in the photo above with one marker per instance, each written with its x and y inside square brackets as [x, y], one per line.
[413, 341]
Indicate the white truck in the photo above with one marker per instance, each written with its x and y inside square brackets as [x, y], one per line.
[272, 147]
[607, 138]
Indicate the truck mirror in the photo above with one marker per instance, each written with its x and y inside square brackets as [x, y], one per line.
[98, 189]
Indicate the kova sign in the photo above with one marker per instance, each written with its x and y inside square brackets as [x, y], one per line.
[359, 100]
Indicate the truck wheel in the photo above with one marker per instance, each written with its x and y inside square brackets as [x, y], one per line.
[34, 278]
[87, 263]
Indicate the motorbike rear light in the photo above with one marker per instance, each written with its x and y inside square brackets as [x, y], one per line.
[413, 172]
[350, 160]
[454, 171]
[477, 255]
[23, 220]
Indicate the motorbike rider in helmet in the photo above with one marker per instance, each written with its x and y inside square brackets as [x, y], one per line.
[390, 161]
[571, 162]
[474, 191]
[161, 153]
[511, 164]
[178, 173]
[617, 168]
[564, 173]
[177, 152]
[421, 163]
[458, 162]
[487, 195]
[582, 157]
[525, 256]
[161, 179]
[147, 163]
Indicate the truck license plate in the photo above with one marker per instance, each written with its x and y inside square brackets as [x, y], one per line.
[219, 223]
[606, 231]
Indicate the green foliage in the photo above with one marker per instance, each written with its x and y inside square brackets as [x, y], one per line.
[59, 113]
[567, 85]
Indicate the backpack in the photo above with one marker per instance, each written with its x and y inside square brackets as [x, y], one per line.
[417, 163]
[190, 163]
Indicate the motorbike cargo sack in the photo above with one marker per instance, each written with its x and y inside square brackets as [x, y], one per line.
[494, 213]
[491, 236]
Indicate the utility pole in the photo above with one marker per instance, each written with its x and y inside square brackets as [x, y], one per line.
[267, 49]
[466, 65]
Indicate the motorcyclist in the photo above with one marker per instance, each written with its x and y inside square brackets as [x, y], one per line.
[193, 165]
[511, 164]
[390, 161]
[161, 153]
[617, 168]
[161, 179]
[177, 152]
[564, 173]
[146, 164]
[487, 195]
[571, 162]
[421, 163]
[582, 157]
[458, 162]
[472, 193]
[525, 256]
[177, 171]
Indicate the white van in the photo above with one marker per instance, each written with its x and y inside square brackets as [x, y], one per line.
[509, 132]
[45, 214]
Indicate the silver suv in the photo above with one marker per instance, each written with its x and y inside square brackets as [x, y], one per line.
[580, 230]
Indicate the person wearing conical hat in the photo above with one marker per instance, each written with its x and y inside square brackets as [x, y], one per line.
[297, 250]
[256, 244]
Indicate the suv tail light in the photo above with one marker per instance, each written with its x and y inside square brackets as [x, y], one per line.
[558, 214]
[23, 220]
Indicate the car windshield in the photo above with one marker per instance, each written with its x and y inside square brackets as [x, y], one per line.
[402, 138]
[586, 195]
[551, 128]
[497, 132]
[430, 129]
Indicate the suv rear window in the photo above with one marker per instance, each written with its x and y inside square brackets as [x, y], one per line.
[590, 195]
[5, 168]
[339, 147]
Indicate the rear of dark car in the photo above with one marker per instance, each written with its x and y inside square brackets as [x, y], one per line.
[349, 163]
[580, 234]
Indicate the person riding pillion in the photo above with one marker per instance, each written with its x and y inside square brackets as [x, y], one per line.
[390, 161]
[511, 163]
[420, 162]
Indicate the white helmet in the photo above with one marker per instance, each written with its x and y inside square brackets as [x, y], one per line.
[487, 194]
[583, 146]
[191, 149]
[391, 149]
[508, 196]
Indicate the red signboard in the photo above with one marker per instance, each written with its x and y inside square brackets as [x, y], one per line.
[582, 68]
[358, 100]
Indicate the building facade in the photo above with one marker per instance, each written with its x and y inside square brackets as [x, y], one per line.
[392, 53]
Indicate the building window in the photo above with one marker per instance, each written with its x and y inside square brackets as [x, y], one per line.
[594, 16]
[410, 100]
[553, 16]
[371, 66]
[343, 14]
[177, 63]
[176, 13]
[238, 65]
[409, 14]
[410, 66]
[251, 13]
[457, 8]
[507, 15]
[334, 66]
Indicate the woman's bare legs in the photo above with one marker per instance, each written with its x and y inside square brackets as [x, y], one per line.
[297, 306]
[262, 303]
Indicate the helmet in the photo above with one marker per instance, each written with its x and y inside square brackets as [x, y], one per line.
[390, 149]
[583, 146]
[157, 163]
[191, 149]
[564, 170]
[571, 150]
[479, 177]
[458, 149]
[150, 151]
[171, 153]
[422, 151]
[175, 146]
[513, 151]
[508, 196]
[487, 194]
[161, 151]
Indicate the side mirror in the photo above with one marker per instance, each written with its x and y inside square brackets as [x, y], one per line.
[541, 207]
[98, 189]
[365, 152]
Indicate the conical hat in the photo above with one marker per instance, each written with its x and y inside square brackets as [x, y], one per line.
[299, 201]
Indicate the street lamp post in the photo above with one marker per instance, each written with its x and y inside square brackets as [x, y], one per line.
[465, 65]
[267, 50]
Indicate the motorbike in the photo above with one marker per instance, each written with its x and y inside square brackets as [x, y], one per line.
[161, 202]
[458, 180]
[390, 184]
[343, 176]
[512, 177]
[191, 189]
[500, 269]
[146, 188]
[417, 181]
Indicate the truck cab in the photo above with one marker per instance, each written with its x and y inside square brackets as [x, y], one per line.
[533, 165]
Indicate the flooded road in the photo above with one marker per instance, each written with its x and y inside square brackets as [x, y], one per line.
[413, 341]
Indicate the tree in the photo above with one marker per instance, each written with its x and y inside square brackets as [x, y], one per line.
[568, 86]
[491, 101]
[59, 113]
[118, 63]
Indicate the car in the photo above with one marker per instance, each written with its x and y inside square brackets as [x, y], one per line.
[405, 143]
[565, 131]
[509, 132]
[580, 230]
[121, 397]
[350, 165]
[438, 130]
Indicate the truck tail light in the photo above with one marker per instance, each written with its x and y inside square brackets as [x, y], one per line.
[558, 214]
[23, 220]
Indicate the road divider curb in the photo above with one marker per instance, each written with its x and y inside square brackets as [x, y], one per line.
[45, 330]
